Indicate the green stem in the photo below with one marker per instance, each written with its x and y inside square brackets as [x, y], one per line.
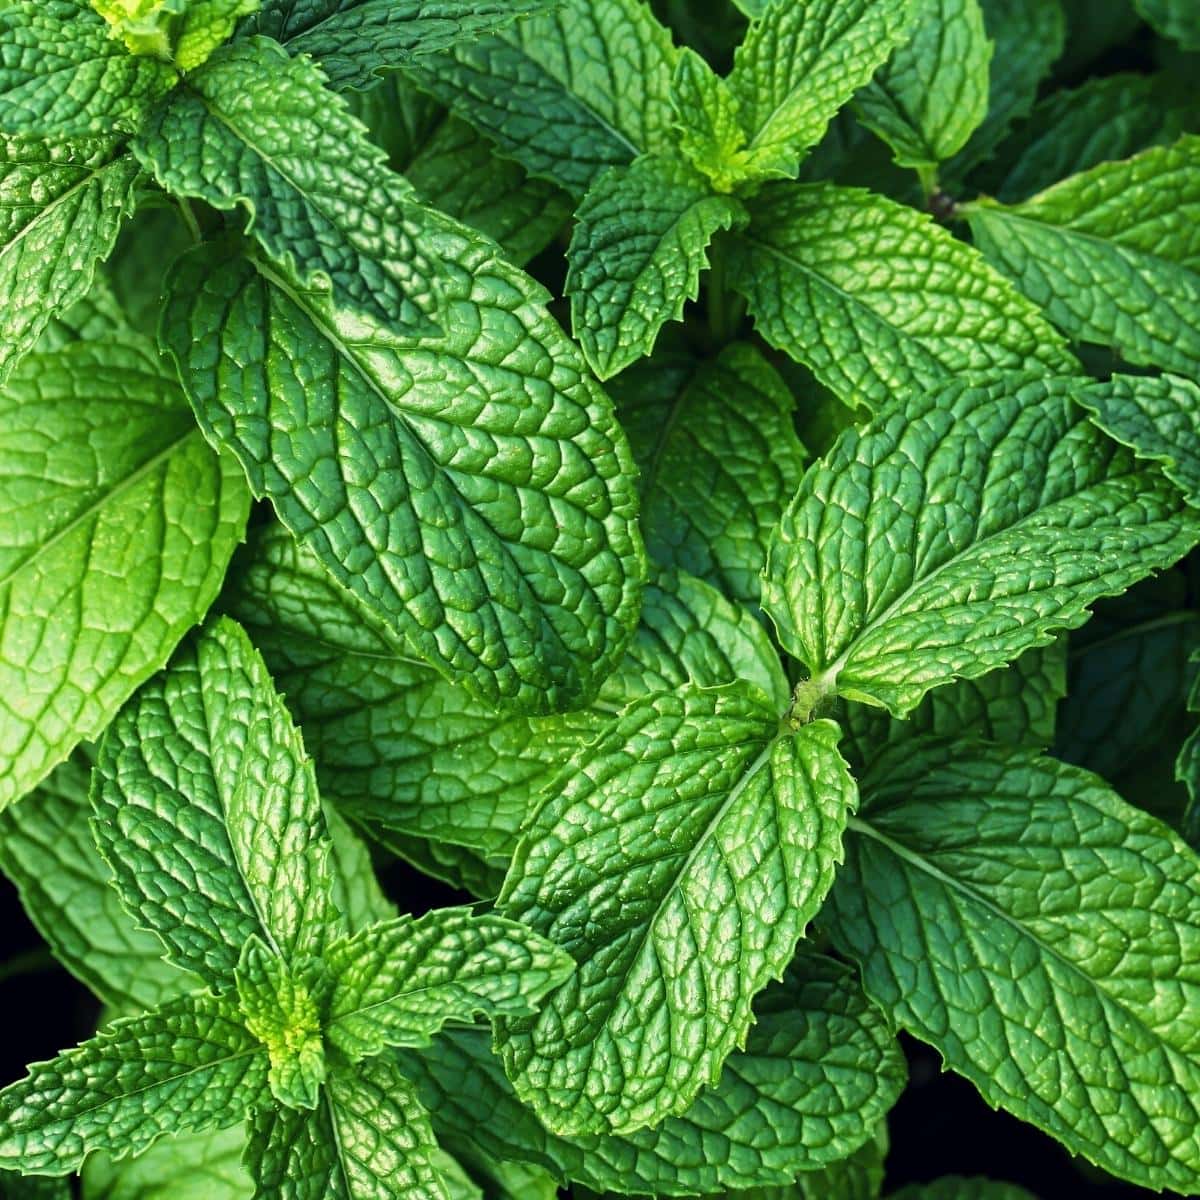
[32, 962]
[726, 309]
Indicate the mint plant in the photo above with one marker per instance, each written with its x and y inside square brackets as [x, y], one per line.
[799, 651]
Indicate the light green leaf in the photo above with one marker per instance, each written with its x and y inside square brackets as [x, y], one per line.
[206, 25]
[369, 1139]
[707, 122]
[47, 850]
[189, 1065]
[495, 532]
[1104, 119]
[639, 244]
[799, 63]
[184, 32]
[960, 1187]
[116, 524]
[877, 300]
[189, 1166]
[1044, 936]
[677, 860]
[1015, 705]
[1158, 417]
[1111, 254]
[457, 171]
[819, 1068]
[61, 205]
[399, 748]
[207, 810]
[283, 1009]
[1028, 37]
[355, 41]
[566, 93]
[398, 982]
[960, 528]
[932, 94]
[61, 73]
[1176, 19]
[258, 130]
[716, 445]
[98, 317]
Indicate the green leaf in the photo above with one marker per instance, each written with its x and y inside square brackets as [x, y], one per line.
[282, 1008]
[1042, 934]
[369, 1139]
[1111, 254]
[495, 532]
[116, 522]
[819, 1068]
[800, 63]
[960, 1187]
[716, 445]
[399, 748]
[1187, 765]
[877, 300]
[258, 130]
[1028, 37]
[457, 171]
[708, 122]
[639, 244]
[356, 891]
[97, 317]
[33, 1187]
[1175, 19]
[189, 1065]
[960, 528]
[398, 982]
[189, 1166]
[677, 860]
[61, 205]
[932, 94]
[61, 73]
[47, 850]
[1015, 705]
[566, 93]
[355, 41]
[1104, 119]
[207, 810]
[206, 25]
[1157, 417]
[184, 32]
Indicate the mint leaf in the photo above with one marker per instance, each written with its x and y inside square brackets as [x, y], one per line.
[458, 172]
[398, 982]
[799, 64]
[639, 244]
[116, 523]
[566, 93]
[47, 850]
[716, 445]
[1016, 705]
[207, 810]
[258, 130]
[1056, 916]
[932, 94]
[282, 1009]
[61, 204]
[721, 825]
[495, 534]
[188, 1065]
[61, 73]
[189, 1166]
[367, 1140]
[357, 40]
[184, 32]
[1130, 232]
[876, 300]
[1102, 120]
[1157, 417]
[994, 561]
[402, 751]
[708, 122]
[1027, 38]
[1175, 19]
[787, 1102]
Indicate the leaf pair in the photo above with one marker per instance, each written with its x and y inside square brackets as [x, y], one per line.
[208, 815]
